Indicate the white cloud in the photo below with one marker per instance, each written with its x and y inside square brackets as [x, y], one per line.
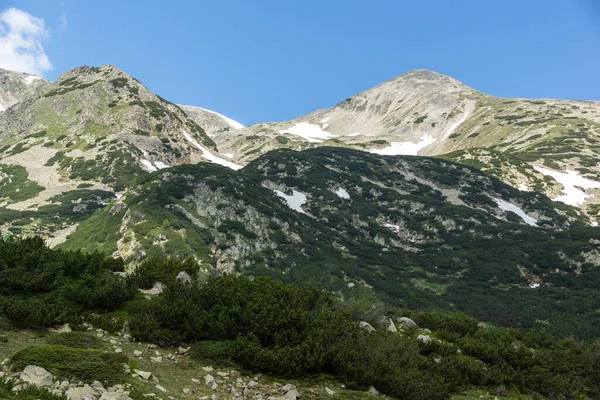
[21, 36]
[63, 21]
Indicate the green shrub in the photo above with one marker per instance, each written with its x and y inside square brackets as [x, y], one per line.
[73, 364]
[74, 339]
[212, 350]
[26, 393]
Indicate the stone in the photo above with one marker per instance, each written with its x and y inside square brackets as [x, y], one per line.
[114, 396]
[406, 322]
[209, 379]
[183, 350]
[144, 374]
[118, 350]
[156, 359]
[162, 389]
[82, 393]
[424, 338]
[373, 391]
[207, 369]
[157, 289]
[187, 391]
[138, 353]
[292, 395]
[329, 391]
[366, 326]
[36, 376]
[234, 373]
[252, 384]
[195, 380]
[62, 329]
[184, 277]
[286, 388]
[390, 326]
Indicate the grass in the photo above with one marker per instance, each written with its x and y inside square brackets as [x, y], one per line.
[73, 364]
[16, 185]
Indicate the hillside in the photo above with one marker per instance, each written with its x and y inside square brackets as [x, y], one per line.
[415, 232]
[174, 329]
[426, 113]
[16, 86]
[76, 143]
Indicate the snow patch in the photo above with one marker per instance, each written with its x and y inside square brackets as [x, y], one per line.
[209, 156]
[295, 201]
[523, 187]
[30, 79]
[405, 148]
[148, 165]
[571, 182]
[160, 165]
[342, 193]
[360, 134]
[324, 120]
[232, 123]
[310, 132]
[534, 285]
[228, 155]
[2, 108]
[456, 125]
[506, 206]
[395, 228]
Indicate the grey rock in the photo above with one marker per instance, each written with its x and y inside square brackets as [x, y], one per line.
[114, 396]
[36, 376]
[366, 326]
[373, 391]
[184, 277]
[424, 338]
[82, 393]
[143, 374]
[406, 322]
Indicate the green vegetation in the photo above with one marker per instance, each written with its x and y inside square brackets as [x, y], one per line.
[15, 185]
[420, 119]
[291, 331]
[29, 393]
[73, 363]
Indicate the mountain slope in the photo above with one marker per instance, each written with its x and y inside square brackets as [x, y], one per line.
[410, 231]
[94, 129]
[425, 113]
[212, 122]
[16, 86]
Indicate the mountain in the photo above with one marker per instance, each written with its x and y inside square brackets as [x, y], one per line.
[16, 86]
[96, 161]
[548, 146]
[212, 122]
[83, 138]
[410, 231]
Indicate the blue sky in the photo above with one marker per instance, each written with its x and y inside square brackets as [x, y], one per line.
[273, 60]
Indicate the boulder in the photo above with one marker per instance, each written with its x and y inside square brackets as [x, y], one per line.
[143, 374]
[209, 379]
[329, 391]
[424, 338]
[114, 396]
[157, 289]
[373, 391]
[366, 326]
[82, 393]
[36, 376]
[184, 277]
[390, 326]
[406, 322]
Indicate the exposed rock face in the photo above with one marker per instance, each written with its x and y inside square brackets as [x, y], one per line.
[16, 86]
